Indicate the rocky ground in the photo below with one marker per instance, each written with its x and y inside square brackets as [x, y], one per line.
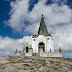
[34, 64]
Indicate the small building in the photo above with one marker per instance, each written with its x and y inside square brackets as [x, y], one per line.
[28, 49]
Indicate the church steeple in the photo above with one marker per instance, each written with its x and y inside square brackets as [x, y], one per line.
[42, 27]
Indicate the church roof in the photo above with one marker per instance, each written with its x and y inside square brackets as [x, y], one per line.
[42, 27]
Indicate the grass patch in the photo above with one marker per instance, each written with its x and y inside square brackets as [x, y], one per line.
[14, 62]
[25, 68]
[26, 57]
[55, 68]
[71, 67]
[66, 71]
[30, 62]
[56, 57]
[38, 67]
[51, 61]
[1, 64]
[42, 61]
[32, 68]
[44, 64]
[57, 64]
[69, 59]
[17, 62]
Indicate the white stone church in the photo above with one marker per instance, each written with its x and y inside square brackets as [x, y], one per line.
[43, 39]
[42, 44]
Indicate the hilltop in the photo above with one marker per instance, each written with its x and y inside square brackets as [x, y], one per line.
[34, 64]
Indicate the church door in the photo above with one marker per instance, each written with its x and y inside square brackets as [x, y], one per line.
[41, 46]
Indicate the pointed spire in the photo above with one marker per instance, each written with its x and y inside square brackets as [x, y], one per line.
[42, 27]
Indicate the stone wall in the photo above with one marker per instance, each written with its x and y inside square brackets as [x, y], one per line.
[29, 53]
[50, 54]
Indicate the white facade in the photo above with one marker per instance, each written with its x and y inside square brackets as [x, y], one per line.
[47, 40]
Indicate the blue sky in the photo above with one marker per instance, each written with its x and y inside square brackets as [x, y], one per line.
[4, 16]
[20, 19]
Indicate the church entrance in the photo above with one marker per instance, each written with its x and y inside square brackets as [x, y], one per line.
[41, 45]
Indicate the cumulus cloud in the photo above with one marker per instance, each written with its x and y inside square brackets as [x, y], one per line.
[59, 1]
[8, 45]
[62, 36]
[21, 19]
[58, 19]
[18, 14]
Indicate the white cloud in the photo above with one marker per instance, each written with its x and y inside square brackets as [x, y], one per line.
[53, 13]
[57, 17]
[18, 14]
[59, 1]
[8, 45]
[63, 35]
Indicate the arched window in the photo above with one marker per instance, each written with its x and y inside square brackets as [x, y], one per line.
[26, 49]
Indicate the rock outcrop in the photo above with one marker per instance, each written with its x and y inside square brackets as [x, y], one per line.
[34, 64]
